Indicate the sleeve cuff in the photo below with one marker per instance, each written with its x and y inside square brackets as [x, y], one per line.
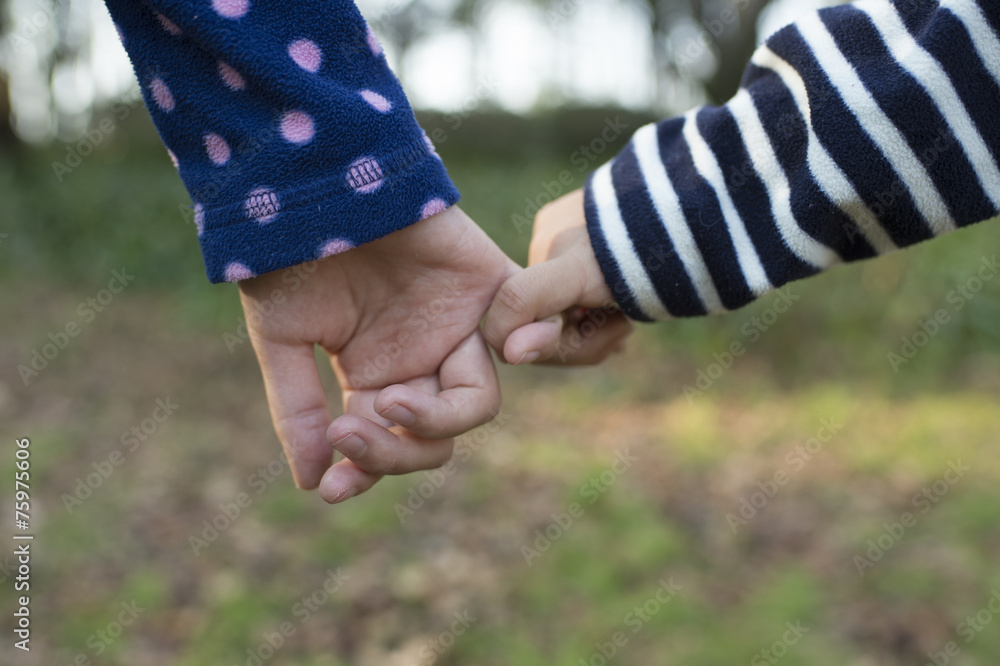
[356, 204]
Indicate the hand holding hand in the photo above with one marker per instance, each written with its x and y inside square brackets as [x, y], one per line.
[559, 310]
[399, 318]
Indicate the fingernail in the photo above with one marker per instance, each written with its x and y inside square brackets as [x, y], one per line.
[399, 414]
[345, 494]
[351, 445]
[528, 357]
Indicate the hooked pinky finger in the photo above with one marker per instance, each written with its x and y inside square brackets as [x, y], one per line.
[469, 396]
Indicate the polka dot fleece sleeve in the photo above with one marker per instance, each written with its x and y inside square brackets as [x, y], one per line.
[293, 137]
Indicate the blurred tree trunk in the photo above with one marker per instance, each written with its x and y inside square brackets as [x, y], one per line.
[404, 26]
[734, 52]
[733, 41]
[660, 18]
[7, 138]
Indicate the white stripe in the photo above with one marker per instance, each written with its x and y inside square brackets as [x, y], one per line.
[620, 245]
[824, 169]
[766, 164]
[928, 72]
[876, 124]
[708, 167]
[983, 38]
[668, 207]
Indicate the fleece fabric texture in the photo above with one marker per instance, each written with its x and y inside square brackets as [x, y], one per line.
[858, 130]
[293, 137]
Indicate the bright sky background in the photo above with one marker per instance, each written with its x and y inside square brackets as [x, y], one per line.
[599, 51]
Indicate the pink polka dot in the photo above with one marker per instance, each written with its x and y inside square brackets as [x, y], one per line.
[378, 102]
[433, 207]
[173, 158]
[237, 271]
[168, 25]
[336, 246]
[373, 42]
[217, 149]
[430, 146]
[199, 218]
[262, 205]
[297, 127]
[162, 95]
[233, 9]
[231, 77]
[306, 54]
[364, 175]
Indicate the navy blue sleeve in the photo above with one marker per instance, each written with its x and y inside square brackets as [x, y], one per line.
[292, 135]
[858, 130]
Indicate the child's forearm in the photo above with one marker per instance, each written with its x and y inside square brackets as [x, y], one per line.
[859, 130]
[290, 132]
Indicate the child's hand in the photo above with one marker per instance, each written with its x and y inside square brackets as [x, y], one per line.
[543, 314]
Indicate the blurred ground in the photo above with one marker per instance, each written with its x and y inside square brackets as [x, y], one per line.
[609, 516]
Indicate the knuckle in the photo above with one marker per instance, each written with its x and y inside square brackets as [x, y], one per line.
[513, 297]
[294, 430]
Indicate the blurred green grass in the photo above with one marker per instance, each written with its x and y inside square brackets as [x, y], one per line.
[664, 518]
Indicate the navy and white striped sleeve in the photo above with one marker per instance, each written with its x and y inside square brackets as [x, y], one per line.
[858, 130]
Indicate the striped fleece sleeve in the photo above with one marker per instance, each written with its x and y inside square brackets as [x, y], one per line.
[858, 130]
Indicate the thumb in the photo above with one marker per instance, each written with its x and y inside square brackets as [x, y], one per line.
[535, 341]
[580, 337]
